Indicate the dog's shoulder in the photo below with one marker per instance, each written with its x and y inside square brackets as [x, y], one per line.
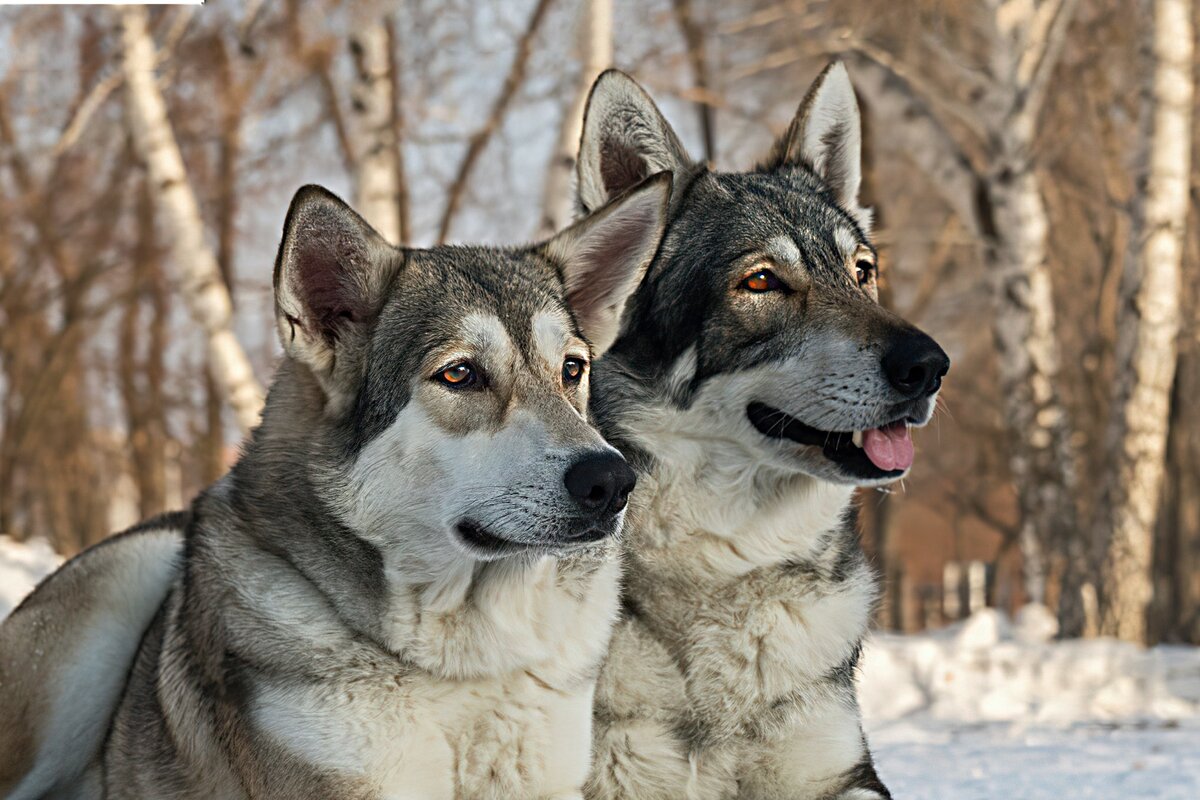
[66, 651]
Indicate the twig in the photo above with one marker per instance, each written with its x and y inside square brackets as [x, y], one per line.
[479, 141]
[693, 37]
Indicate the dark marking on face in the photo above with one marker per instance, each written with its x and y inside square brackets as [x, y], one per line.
[724, 224]
[426, 307]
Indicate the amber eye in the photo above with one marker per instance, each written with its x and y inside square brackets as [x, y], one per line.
[862, 271]
[572, 371]
[457, 376]
[764, 280]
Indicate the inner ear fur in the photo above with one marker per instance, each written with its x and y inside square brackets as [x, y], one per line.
[625, 140]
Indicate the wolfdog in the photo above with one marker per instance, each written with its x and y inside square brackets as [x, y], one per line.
[405, 586]
[756, 381]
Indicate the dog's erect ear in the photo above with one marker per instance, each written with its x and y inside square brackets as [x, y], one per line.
[625, 140]
[826, 135]
[605, 255]
[330, 276]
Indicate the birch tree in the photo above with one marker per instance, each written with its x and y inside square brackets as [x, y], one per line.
[997, 196]
[1148, 323]
[594, 31]
[377, 162]
[202, 286]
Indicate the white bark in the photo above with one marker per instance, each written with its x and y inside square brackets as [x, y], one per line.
[1028, 366]
[921, 138]
[200, 276]
[1001, 203]
[377, 193]
[596, 46]
[1027, 40]
[1148, 324]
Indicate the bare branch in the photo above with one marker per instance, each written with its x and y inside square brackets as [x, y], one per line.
[203, 288]
[83, 114]
[967, 116]
[317, 57]
[479, 141]
[1045, 52]
[693, 38]
[922, 137]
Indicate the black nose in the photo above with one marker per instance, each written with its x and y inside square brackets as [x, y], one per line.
[600, 482]
[915, 365]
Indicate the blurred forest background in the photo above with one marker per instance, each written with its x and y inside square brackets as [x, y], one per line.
[1028, 160]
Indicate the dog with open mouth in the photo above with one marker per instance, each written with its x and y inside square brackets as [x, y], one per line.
[405, 585]
[755, 384]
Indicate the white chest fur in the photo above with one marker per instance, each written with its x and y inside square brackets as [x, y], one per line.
[759, 607]
[491, 696]
[414, 737]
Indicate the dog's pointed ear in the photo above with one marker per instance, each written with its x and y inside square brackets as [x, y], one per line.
[604, 256]
[330, 277]
[826, 136]
[625, 140]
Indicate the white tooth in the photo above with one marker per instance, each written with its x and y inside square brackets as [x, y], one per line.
[856, 437]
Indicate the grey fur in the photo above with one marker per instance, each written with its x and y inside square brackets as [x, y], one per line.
[332, 630]
[731, 673]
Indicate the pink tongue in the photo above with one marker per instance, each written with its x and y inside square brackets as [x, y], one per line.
[889, 448]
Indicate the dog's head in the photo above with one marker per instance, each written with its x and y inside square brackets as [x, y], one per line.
[445, 391]
[760, 317]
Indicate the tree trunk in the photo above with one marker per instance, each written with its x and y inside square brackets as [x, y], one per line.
[596, 45]
[200, 275]
[397, 92]
[229, 151]
[693, 38]
[1147, 327]
[1178, 556]
[1002, 205]
[1177, 529]
[1027, 40]
[1028, 364]
[377, 194]
[143, 415]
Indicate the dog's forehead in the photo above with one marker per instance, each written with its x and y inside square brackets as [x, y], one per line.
[440, 289]
[787, 216]
[789, 210]
[721, 220]
[481, 299]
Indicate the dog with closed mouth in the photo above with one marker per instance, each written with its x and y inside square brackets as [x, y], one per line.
[755, 383]
[405, 586]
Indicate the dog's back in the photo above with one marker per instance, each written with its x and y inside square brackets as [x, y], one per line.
[66, 652]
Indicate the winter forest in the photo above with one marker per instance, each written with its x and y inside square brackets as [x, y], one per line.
[1030, 167]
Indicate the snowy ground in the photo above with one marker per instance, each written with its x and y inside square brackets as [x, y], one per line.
[984, 710]
[21, 567]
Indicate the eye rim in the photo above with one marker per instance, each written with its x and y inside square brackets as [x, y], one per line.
[574, 380]
[864, 263]
[470, 380]
[774, 283]
[865, 271]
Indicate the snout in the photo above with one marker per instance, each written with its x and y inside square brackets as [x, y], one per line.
[915, 365]
[600, 483]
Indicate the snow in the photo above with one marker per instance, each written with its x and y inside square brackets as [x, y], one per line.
[987, 709]
[994, 710]
[22, 565]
